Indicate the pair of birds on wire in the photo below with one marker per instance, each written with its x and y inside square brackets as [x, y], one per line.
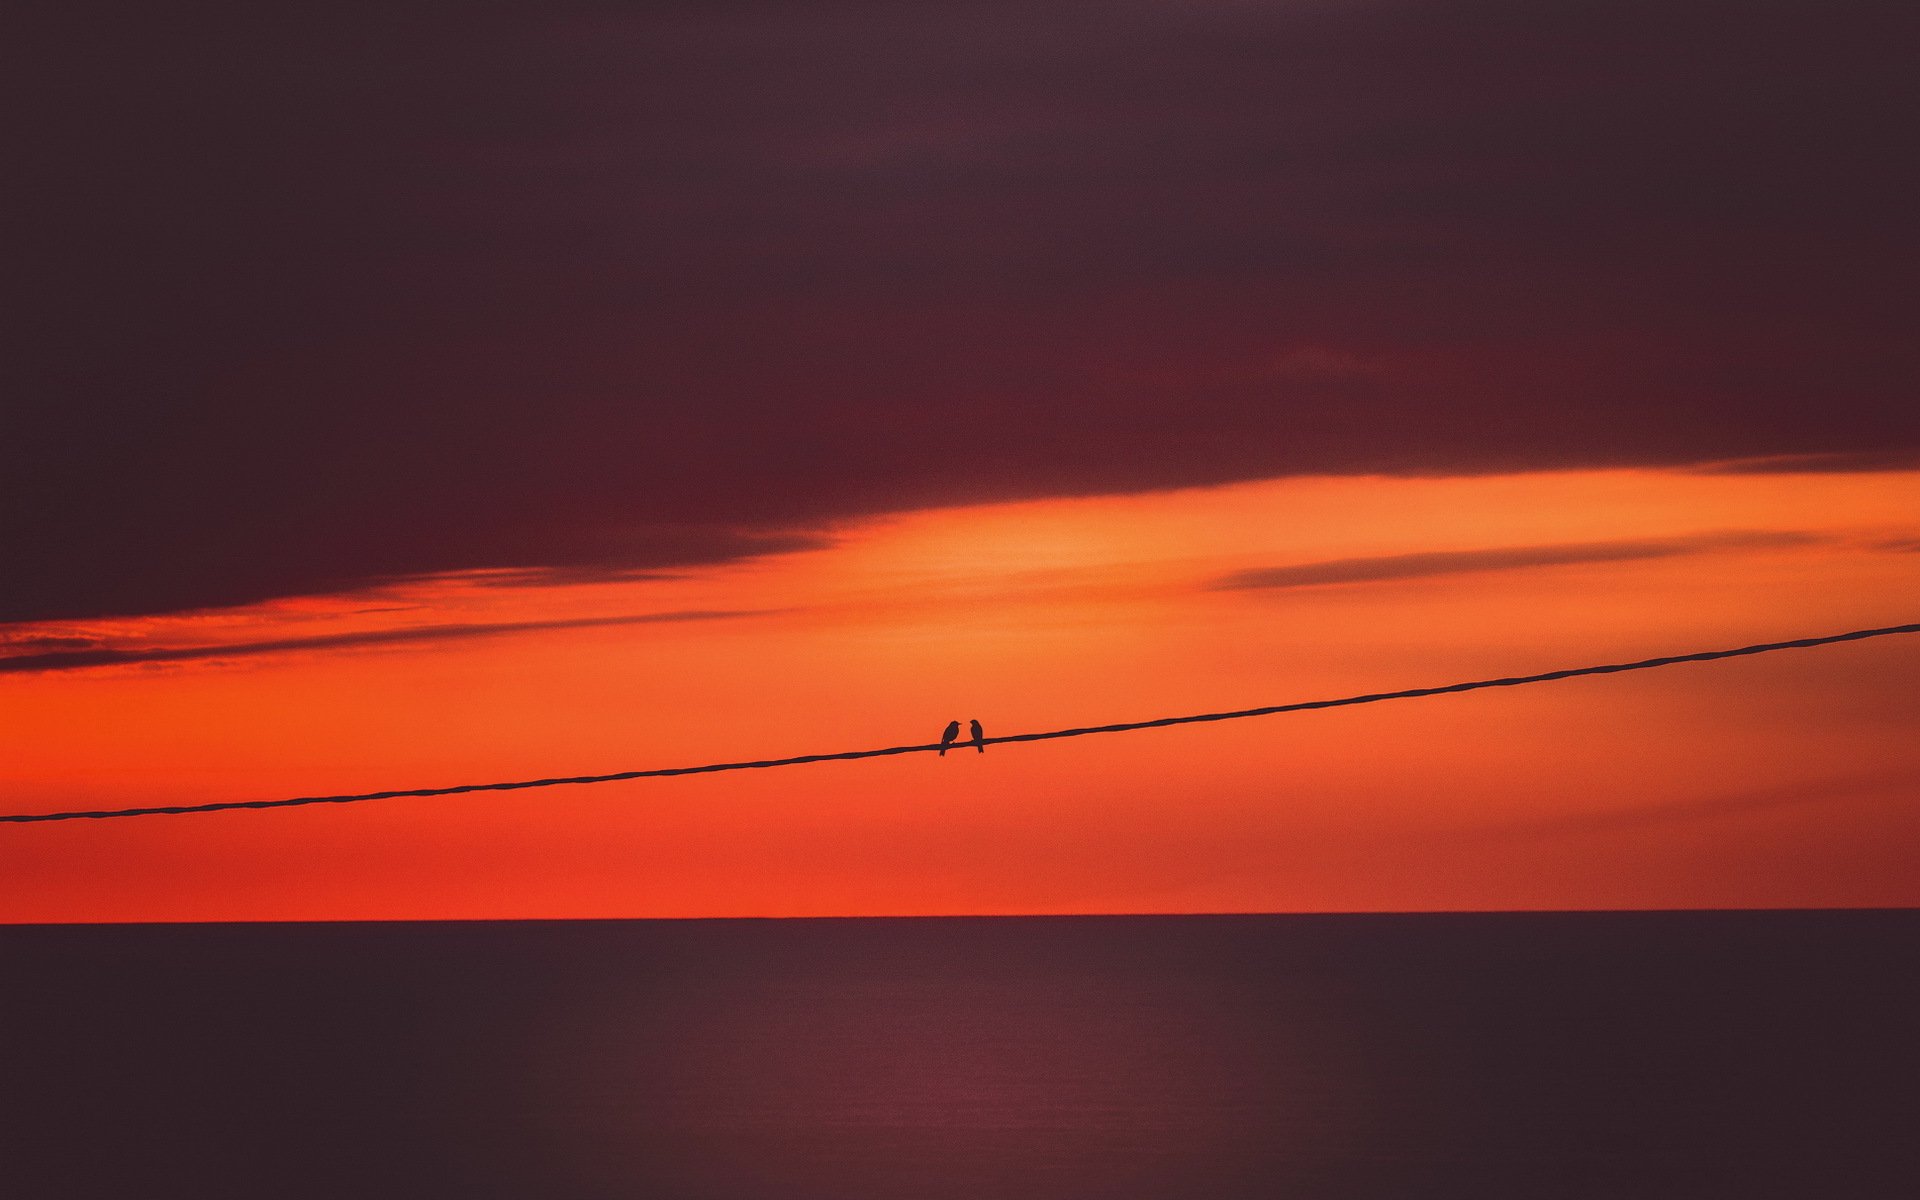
[952, 735]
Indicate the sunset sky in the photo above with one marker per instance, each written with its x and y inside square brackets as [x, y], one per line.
[400, 396]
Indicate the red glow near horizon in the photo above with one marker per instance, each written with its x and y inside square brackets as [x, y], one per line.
[1776, 782]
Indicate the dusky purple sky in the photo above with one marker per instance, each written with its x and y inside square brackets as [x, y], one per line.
[306, 299]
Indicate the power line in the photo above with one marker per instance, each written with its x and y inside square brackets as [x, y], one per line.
[1083, 731]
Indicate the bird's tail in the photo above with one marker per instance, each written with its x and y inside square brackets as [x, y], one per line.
[943, 752]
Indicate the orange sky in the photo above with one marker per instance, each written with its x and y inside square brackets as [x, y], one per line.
[1781, 781]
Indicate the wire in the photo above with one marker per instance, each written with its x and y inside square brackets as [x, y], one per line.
[1083, 731]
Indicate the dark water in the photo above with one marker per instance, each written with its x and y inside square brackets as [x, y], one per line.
[1633, 1056]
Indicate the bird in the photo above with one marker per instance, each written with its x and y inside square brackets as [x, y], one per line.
[949, 737]
[979, 736]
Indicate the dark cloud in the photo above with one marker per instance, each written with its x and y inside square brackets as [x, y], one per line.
[307, 297]
[1389, 567]
[1898, 459]
[95, 655]
[45, 644]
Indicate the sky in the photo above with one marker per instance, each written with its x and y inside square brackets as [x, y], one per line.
[406, 395]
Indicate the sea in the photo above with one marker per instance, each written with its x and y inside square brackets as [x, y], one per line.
[1627, 1056]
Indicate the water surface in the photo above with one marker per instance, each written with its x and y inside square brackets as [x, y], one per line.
[1551, 1055]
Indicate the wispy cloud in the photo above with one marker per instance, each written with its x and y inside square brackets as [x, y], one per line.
[1898, 459]
[46, 643]
[1392, 567]
[1728, 804]
[105, 656]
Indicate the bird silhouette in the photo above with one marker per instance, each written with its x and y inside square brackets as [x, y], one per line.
[979, 737]
[949, 737]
